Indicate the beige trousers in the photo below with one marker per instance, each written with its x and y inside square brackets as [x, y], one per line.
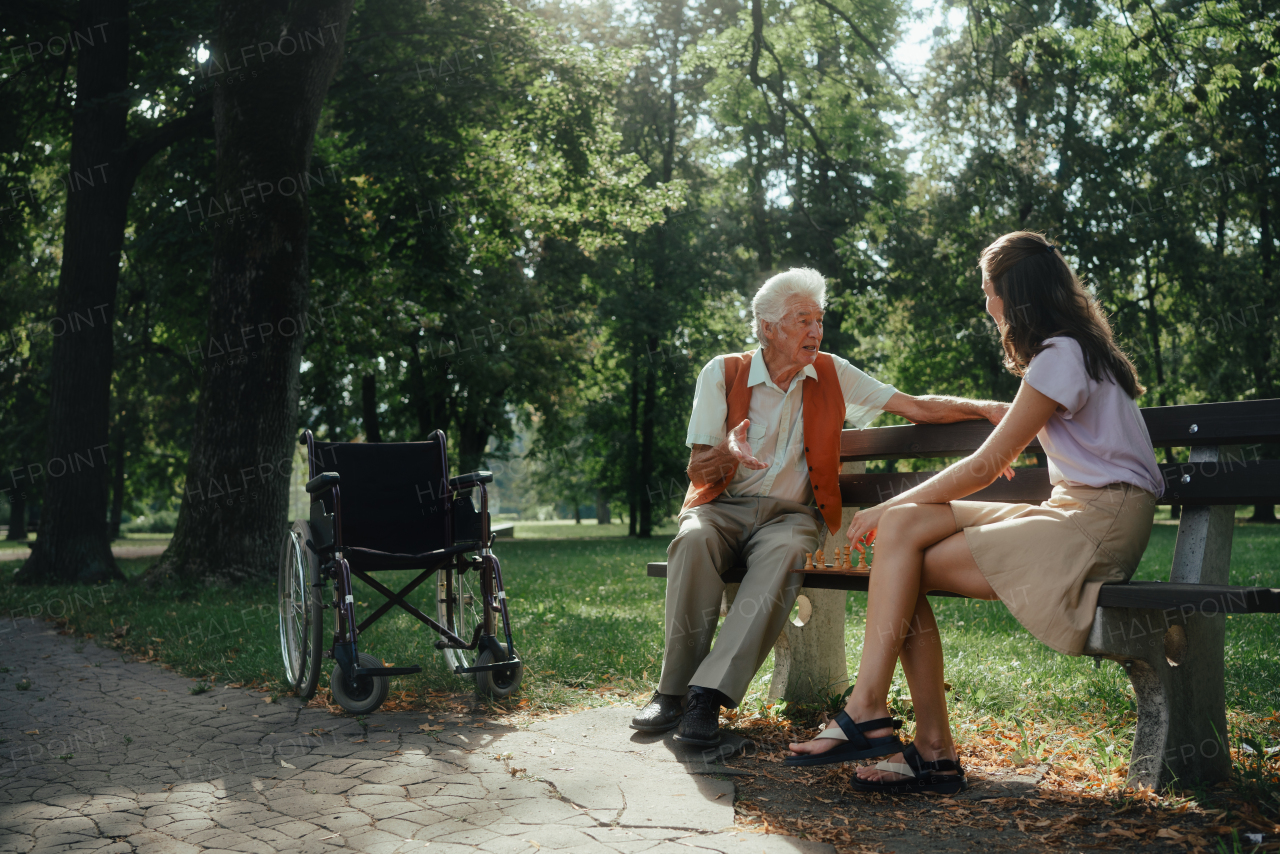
[771, 537]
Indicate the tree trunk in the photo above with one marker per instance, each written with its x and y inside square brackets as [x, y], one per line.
[759, 173]
[369, 397]
[473, 441]
[646, 444]
[1264, 513]
[633, 481]
[1157, 357]
[427, 407]
[117, 484]
[603, 516]
[72, 544]
[237, 487]
[17, 516]
[661, 276]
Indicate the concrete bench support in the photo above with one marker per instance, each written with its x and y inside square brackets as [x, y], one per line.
[1175, 660]
[809, 661]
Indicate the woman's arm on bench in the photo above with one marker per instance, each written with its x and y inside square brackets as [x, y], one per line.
[1029, 413]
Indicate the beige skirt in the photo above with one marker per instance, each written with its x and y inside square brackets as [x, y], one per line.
[1047, 561]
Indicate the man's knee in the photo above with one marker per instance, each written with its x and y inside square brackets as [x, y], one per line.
[698, 543]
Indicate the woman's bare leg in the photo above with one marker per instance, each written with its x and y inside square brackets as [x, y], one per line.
[948, 565]
[918, 550]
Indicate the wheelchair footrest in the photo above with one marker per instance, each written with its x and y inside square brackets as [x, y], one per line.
[388, 671]
[497, 665]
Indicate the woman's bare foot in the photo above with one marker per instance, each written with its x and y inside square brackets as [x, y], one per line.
[822, 745]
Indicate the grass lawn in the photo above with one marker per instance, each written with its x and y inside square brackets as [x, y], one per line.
[125, 540]
[588, 623]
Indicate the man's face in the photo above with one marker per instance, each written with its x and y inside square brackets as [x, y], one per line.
[798, 335]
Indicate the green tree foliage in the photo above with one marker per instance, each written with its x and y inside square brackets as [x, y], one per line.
[542, 220]
[471, 148]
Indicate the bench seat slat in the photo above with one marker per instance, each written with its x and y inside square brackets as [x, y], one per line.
[1189, 598]
[1208, 599]
[1232, 423]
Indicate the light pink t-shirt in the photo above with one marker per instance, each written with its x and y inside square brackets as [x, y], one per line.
[1101, 437]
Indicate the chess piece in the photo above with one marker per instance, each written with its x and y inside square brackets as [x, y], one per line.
[808, 561]
[862, 559]
[820, 560]
[848, 553]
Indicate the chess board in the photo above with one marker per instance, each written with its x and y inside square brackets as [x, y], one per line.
[828, 569]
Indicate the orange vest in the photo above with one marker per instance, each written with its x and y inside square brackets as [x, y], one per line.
[823, 420]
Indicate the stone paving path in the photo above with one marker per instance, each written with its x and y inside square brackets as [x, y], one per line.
[106, 756]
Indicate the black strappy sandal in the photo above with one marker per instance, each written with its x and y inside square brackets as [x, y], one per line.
[926, 776]
[856, 745]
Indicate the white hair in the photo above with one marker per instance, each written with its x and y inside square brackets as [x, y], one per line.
[769, 305]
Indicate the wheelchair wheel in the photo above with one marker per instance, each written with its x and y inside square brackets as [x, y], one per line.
[498, 684]
[468, 609]
[301, 613]
[370, 691]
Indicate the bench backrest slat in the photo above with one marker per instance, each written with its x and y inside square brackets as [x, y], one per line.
[1232, 481]
[1233, 423]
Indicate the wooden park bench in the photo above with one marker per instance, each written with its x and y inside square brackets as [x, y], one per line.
[1169, 636]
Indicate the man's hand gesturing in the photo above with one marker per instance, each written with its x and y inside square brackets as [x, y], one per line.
[710, 464]
[738, 445]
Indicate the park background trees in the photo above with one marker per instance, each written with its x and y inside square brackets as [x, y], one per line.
[530, 225]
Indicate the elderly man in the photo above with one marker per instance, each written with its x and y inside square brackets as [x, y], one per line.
[764, 489]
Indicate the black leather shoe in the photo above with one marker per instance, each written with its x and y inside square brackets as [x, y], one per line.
[700, 726]
[661, 713]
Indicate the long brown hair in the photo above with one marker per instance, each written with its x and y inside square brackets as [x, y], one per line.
[1043, 298]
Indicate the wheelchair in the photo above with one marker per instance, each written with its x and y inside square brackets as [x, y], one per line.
[392, 506]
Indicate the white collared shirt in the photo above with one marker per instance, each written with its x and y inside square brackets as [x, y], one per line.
[776, 433]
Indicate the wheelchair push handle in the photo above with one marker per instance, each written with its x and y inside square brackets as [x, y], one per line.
[323, 481]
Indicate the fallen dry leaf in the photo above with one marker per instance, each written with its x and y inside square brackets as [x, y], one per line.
[430, 727]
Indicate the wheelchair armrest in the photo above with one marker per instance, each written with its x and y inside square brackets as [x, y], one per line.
[466, 481]
[324, 480]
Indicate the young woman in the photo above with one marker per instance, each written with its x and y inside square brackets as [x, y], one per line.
[1045, 562]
